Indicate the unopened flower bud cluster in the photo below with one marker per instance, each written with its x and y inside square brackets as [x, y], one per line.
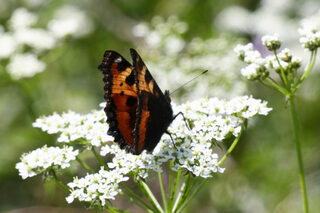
[259, 67]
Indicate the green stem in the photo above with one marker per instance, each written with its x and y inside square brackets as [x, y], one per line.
[59, 182]
[267, 85]
[182, 193]
[170, 192]
[84, 165]
[115, 210]
[283, 76]
[307, 69]
[271, 82]
[134, 198]
[162, 191]
[299, 154]
[175, 187]
[191, 196]
[97, 156]
[231, 148]
[149, 195]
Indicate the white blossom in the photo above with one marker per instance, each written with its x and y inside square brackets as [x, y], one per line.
[40, 159]
[140, 30]
[271, 42]
[242, 50]
[72, 126]
[210, 120]
[70, 20]
[22, 18]
[103, 186]
[24, 65]
[39, 39]
[7, 45]
[164, 49]
[309, 37]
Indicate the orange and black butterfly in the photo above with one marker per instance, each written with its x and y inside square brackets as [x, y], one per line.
[138, 113]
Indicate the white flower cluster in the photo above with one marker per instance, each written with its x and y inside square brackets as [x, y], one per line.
[256, 64]
[270, 16]
[166, 50]
[259, 67]
[271, 42]
[101, 186]
[39, 160]
[72, 126]
[165, 34]
[310, 32]
[210, 120]
[22, 33]
[25, 65]
[70, 20]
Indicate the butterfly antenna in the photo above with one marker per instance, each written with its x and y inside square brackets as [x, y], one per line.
[204, 72]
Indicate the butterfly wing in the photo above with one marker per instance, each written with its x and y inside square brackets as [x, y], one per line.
[121, 97]
[138, 113]
[155, 113]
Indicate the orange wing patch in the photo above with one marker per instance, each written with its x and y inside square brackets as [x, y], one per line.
[121, 97]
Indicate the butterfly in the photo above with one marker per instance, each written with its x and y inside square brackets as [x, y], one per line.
[138, 112]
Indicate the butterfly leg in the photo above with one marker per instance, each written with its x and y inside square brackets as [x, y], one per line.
[168, 133]
[184, 118]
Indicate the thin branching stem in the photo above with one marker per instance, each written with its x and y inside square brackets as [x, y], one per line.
[162, 191]
[112, 209]
[282, 74]
[182, 193]
[170, 188]
[99, 159]
[59, 182]
[193, 194]
[134, 198]
[308, 69]
[271, 82]
[84, 165]
[175, 186]
[299, 154]
[231, 148]
[144, 188]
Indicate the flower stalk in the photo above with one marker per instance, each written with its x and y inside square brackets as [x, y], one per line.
[299, 154]
[231, 148]
[285, 65]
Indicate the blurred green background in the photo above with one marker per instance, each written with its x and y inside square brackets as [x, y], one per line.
[261, 175]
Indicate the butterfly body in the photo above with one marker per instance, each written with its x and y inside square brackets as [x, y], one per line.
[138, 113]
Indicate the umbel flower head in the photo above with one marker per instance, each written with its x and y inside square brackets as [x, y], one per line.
[210, 120]
[43, 158]
[259, 68]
